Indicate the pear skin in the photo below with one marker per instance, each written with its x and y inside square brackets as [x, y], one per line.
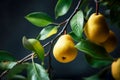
[111, 43]
[115, 69]
[64, 50]
[96, 28]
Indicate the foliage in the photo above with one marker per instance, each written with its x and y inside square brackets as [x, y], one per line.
[77, 24]
[39, 19]
[47, 32]
[95, 55]
[113, 6]
[62, 7]
[35, 46]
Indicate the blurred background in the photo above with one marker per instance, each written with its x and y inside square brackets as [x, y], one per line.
[13, 26]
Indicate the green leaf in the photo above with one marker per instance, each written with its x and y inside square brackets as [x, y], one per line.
[94, 77]
[35, 46]
[39, 19]
[114, 8]
[97, 63]
[6, 56]
[77, 24]
[7, 65]
[87, 12]
[37, 72]
[47, 32]
[62, 7]
[27, 44]
[102, 74]
[74, 37]
[83, 4]
[93, 50]
[15, 70]
[18, 77]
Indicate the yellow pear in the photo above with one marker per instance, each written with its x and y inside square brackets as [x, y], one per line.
[115, 69]
[96, 28]
[64, 50]
[111, 42]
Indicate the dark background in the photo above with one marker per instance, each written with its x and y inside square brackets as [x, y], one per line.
[13, 26]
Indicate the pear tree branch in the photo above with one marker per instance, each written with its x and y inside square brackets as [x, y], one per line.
[60, 33]
[28, 57]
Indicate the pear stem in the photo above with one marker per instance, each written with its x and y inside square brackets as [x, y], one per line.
[97, 6]
[24, 59]
[65, 32]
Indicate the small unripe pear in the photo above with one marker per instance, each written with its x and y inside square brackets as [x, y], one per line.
[64, 50]
[96, 28]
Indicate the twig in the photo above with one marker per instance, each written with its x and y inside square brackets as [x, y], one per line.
[50, 42]
[60, 24]
[65, 26]
[18, 62]
[60, 33]
[24, 59]
[3, 73]
[49, 64]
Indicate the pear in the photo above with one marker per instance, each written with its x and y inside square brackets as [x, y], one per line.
[115, 69]
[64, 50]
[111, 42]
[96, 28]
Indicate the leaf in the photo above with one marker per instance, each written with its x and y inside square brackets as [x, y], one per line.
[47, 32]
[37, 72]
[39, 19]
[77, 24]
[83, 4]
[74, 37]
[93, 50]
[7, 65]
[35, 46]
[97, 63]
[15, 70]
[94, 77]
[102, 74]
[87, 12]
[27, 44]
[62, 7]
[114, 9]
[18, 77]
[34, 72]
[6, 56]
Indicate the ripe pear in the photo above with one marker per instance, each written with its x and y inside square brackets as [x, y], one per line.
[64, 50]
[96, 28]
[111, 42]
[115, 69]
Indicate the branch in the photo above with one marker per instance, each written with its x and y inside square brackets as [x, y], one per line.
[65, 26]
[60, 33]
[50, 42]
[18, 62]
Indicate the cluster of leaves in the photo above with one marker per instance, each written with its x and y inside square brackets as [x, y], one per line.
[33, 70]
[113, 6]
[94, 54]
